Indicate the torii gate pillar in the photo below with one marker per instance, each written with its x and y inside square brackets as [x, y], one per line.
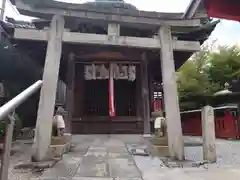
[48, 91]
[171, 103]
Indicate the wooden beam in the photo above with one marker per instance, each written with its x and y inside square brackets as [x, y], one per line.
[49, 88]
[86, 38]
[156, 19]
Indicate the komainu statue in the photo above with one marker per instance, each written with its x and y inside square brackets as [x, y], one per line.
[160, 125]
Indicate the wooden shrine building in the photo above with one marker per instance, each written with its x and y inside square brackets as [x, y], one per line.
[110, 55]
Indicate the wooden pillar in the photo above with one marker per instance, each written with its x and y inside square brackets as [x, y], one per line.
[138, 94]
[208, 133]
[48, 90]
[70, 91]
[151, 93]
[174, 129]
[145, 93]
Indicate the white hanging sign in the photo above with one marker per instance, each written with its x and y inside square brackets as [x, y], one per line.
[100, 71]
[90, 72]
[131, 73]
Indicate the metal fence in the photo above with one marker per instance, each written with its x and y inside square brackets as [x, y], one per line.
[5, 114]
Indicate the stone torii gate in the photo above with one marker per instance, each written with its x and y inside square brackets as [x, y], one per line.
[57, 34]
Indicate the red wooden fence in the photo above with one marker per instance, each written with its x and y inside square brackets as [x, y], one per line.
[227, 125]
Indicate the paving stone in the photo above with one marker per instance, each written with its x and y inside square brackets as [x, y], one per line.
[134, 178]
[123, 168]
[137, 149]
[93, 166]
[148, 163]
[66, 168]
[114, 143]
[118, 152]
[227, 152]
[108, 158]
[98, 152]
[80, 149]
[97, 142]
[91, 178]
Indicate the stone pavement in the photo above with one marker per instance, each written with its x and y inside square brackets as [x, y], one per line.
[104, 157]
[228, 152]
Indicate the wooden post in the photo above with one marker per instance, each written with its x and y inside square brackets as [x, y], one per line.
[151, 94]
[70, 91]
[9, 126]
[138, 94]
[145, 93]
[174, 128]
[48, 91]
[208, 133]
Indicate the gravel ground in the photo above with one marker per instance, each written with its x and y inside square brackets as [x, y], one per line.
[228, 152]
[22, 152]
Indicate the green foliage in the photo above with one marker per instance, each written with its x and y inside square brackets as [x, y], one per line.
[225, 64]
[206, 73]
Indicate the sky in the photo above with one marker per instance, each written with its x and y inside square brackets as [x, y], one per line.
[226, 32]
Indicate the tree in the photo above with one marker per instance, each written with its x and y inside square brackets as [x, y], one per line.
[206, 73]
[193, 81]
[224, 65]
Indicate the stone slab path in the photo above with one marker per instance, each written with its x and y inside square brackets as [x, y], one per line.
[113, 157]
[104, 157]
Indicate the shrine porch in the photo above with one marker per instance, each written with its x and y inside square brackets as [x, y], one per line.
[107, 125]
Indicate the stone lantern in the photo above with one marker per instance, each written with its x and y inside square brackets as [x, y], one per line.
[229, 95]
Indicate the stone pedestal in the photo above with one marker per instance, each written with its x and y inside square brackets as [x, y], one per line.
[161, 142]
[59, 146]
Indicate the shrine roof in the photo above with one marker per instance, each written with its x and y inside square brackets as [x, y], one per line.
[181, 33]
[114, 7]
[195, 9]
